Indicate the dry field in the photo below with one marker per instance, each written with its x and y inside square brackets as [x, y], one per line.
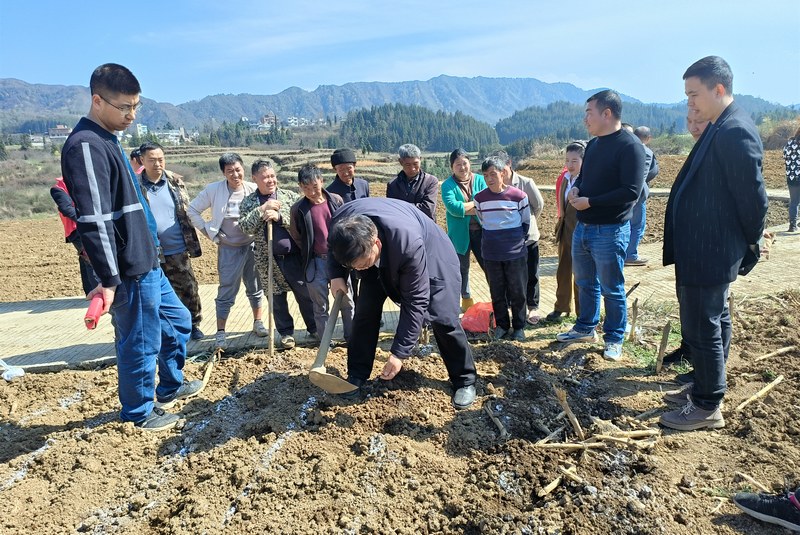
[263, 451]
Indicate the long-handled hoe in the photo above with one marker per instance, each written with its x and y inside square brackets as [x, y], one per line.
[319, 374]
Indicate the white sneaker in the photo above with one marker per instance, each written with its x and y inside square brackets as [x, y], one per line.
[577, 336]
[287, 342]
[259, 329]
[219, 339]
[612, 351]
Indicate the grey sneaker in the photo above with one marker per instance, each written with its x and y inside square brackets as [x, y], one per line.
[499, 333]
[691, 417]
[679, 396]
[158, 420]
[612, 351]
[259, 329]
[774, 509]
[188, 390]
[287, 342]
[219, 340]
[464, 397]
[518, 335]
[576, 336]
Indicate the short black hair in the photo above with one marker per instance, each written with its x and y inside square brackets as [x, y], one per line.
[113, 78]
[308, 174]
[136, 154]
[147, 147]
[351, 238]
[259, 163]
[609, 99]
[229, 158]
[712, 70]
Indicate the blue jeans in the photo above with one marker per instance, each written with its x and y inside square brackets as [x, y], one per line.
[706, 328]
[152, 326]
[638, 225]
[598, 255]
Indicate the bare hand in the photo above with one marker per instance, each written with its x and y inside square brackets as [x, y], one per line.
[391, 368]
[108, 296]
[272, 204]
[580, 203]
[338, 285]
[270, 215]
[573, 194]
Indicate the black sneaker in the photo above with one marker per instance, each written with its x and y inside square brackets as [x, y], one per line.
[677, 355]
[197, 334]
[158, 420]
[685, 378]
[779, 510]
[355, 394]
[187, 390]
[555, 316]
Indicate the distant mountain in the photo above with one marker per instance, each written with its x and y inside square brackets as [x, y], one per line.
[28, 107]
[486, 99]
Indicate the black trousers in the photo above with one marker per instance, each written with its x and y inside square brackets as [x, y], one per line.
[291, 266]
[507, 281]
[450, 337]
[532, 292]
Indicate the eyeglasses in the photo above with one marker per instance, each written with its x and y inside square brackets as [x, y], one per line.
[124, 110]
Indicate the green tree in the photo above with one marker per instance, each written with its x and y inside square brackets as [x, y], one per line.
[25, 142]
[3, 151]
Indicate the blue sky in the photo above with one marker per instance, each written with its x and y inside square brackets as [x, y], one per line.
[185, 50]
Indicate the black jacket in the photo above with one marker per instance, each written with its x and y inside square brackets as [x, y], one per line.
[302, 230]
[111, 219]
[718, 204]
[418, 269]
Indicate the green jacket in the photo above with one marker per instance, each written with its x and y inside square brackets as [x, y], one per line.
[251, 223]
[457, 222]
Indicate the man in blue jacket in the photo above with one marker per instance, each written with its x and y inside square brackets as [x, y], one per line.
[119, 236]
[403, 255]
[713, 222]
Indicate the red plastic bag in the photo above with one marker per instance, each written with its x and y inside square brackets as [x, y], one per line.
[478, 318]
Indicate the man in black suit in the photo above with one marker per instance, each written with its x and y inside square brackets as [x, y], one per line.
[714, 220]
[401, 254]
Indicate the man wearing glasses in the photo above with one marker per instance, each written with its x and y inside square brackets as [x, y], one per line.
[404, 255]
[120, 237]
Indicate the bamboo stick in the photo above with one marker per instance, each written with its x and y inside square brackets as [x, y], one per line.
[780, 351]
[634, 317]
[753, 481]
[662, 348]
[503, 431]
[572, 476]
[571, 446]
[549, 488]
[551, 436]
[561, 395]
[760, 393]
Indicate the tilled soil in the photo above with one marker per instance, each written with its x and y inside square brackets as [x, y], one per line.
[262, 450]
